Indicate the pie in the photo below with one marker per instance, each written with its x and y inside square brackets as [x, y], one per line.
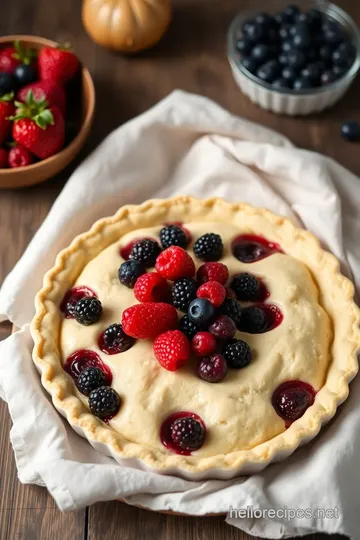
[196, 337]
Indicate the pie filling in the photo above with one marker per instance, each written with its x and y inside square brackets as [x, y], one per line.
[205, 342]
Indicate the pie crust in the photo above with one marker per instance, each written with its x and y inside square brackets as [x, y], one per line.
[336, 294]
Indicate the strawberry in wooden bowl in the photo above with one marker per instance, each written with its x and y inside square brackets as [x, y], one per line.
[47, 102]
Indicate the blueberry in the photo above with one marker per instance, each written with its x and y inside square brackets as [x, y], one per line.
[7, 83]
[201, 312]
[325, 53]
[344, 54]
[260, 53]
[315, 16]
[302, 83]
[283, 59]
[291, 12]
[351, 131]
[255, 32]
[287, 46]
[301, 40]
[333, 33]
[312, 72]
[263, 18]
[284, 31]
[24, 74]
[312, 54]
[280, 84]
[289, 73]
[249, 64]
[339, 71]
[292, 30]
[328, 77]
[269, 71]
[296, 59]
[303, 19]
[280, 18]
[243, 46]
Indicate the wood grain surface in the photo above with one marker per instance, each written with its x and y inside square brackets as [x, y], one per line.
[191, 57]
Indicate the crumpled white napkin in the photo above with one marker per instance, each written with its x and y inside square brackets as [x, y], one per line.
[188, 144]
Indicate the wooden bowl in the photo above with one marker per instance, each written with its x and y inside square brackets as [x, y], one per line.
[81, 106]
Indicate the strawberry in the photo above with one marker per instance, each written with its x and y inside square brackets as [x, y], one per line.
[172, 349]
[11, 57]
[151, 287]
[175, 263]
[39, 128]
[19, 157]
[7, 109]
[147, 321]
[212, 291]
[57, 65]
[3, 158]
[54, 94]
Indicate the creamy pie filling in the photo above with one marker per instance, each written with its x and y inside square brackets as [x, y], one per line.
[237, 411]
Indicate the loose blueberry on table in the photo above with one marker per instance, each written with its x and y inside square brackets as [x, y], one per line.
[279, 49]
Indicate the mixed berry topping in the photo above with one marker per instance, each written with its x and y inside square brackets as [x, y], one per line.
[175, 263]
[237, 354]
[203, 343]
[152, 287]
[212, 369]
[246, 287]
[223, 327]
[114, 340]
[253, 320]
[209, 247]
[212, 271]
[147, 321]
[129, 272]
[126, 250]
[172, 349]
[212, 291]
[232, 309]
[188, 327]
[88, 311]
[82, 359]
[71, 298]
[183, 432]
[201, 312]
[146, 252]
[172, 235]
[249, 248]
[291, 399]
[89, 379]
[183, 291]
[104, 402]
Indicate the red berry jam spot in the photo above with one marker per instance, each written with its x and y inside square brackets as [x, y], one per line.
[126, 250]
[83, 358]
[291, 399]
[273, 314]
[165, 431]
[249, 248]
[186, 231]
[264, 293]
[72, 297]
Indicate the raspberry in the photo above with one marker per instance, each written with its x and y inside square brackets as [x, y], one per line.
[238, 354]
[246, 287]
[212, 291]
[129, 272]
[203, 343]
[183, 291]
[223, 327]
[232, 309]
[212, 369]
[253, 320]
[213, 271]
[187, 433]
[88, 310]
[201, 312]
[89, 379]
[104, 402]
[147, 321]
[114, 340]
[151, 288]
[172, 235]
[209, 247]
[172, 349]
[175, 263]
[187, 327]
[145, 251]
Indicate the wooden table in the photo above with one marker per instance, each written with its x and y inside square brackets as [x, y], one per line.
[191, 57]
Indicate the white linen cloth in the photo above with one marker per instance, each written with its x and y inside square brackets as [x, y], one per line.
[187, 144]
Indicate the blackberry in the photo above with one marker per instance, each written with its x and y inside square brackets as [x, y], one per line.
[88, 310]
[115, 339]
[171, 235]
[89, 379]
[129, 272]
[237, 354]
[104, 402]
[188, 327]
[232, 309]
[146, 252]
[187, 433]
[246, 287]
[183, 291]
[253, 320]
[209, 247]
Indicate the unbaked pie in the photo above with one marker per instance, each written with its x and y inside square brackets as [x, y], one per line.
[200, 338]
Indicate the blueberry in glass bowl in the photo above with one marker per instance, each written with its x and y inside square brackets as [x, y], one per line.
[294, 59]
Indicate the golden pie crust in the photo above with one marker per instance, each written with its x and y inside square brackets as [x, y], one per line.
[335, 296]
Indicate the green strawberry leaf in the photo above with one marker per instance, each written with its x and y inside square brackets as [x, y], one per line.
[44, 119]
[24, 55]
[7, 97]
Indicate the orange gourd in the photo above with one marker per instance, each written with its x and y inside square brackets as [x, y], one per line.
[126, 25]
